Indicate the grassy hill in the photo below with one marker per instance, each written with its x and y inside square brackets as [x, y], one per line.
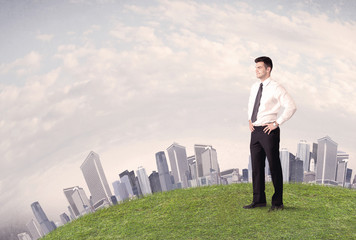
[215, 212]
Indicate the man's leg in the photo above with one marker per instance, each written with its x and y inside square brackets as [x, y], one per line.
[258, 158]
[270, 144]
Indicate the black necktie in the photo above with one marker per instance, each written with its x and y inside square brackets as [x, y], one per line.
[257, 104]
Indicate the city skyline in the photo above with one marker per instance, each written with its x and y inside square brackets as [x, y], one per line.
[128, 79]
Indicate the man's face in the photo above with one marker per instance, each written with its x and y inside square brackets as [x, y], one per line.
[261, 71]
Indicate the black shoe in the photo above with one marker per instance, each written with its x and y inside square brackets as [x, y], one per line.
[274, 207]
[254, 205]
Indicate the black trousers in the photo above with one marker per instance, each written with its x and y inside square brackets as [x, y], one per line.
[263, 145]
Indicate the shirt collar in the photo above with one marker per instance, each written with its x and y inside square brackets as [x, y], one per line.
[266, 82]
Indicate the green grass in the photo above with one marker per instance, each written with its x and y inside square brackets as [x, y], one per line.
[215, 212]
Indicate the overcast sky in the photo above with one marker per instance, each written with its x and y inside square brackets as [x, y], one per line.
[126, 79]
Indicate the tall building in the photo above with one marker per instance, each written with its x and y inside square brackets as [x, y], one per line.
[284, 156]
[42, 219]
[95, 178]
[192, 168]
[199, 149]
[64, 218]
[34, 229]
[296, 170]
[303, 153]
[178, 159]
[209, 161]
[78, 201]
[143, 180]
[120, 189]
[154, 182]
[341, 168]
[126, 180]
[163, 172]
[348, 175]
[327, 161]
[24, 236]
[132, 179]
[244, 175]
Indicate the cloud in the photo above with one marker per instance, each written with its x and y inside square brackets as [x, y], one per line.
[45, 37]
[23, 66]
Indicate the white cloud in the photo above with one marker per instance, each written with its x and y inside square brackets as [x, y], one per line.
[45, 37]
[22, 66]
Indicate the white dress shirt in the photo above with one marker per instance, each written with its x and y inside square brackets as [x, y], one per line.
[274, 96]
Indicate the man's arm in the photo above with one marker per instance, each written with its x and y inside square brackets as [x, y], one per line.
[287, 102]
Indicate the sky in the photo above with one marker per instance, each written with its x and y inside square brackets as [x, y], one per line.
[126, 79]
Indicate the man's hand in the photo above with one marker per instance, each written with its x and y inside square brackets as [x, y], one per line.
[251, 126]
[270, 127]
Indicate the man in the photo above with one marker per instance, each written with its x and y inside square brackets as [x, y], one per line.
[267, 97]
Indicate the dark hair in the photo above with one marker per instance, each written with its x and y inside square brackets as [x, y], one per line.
[266, 60]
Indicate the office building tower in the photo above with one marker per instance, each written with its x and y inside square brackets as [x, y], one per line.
[296, 170]
[312, 165]
[192, 168]
[64, 218]
[163, 172]
[178, 159]
[139, 189]
[285, 161]
[199, 149]
[95, 178]
[341, 167]
[209, 161]
[34, 229]
[154, 182]
[144, 181]
[78, 201]
[327, 161]
[126, 180]
[348, 175]
[245, 175]
[71, 213]
[81, 201]
[42, 219]
[23, 236]
[120, 189]
[303, 153]
[132, 179]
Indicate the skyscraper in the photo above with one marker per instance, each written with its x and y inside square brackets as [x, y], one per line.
[199, 149]
[154, 182]
[341, 168]
[179, 165]
[209, 161]
[132, 179]
[163, 172]
[143, 180]
[95, 178]
[77, 200]
[64, 218]
[34, 229]
[326, 163]
[303, 153]
[285, 162]
[120, 190]
[192, 168]
[42, 219]
[296, 170]
[348, 175]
